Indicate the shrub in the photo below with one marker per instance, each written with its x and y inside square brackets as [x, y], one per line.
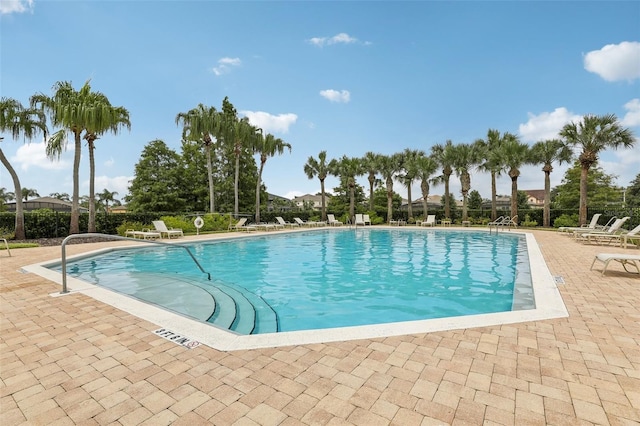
[566, 220]
[527, 222]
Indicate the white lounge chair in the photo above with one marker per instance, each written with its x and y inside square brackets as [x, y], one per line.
[308, 223]
[241, 225]
[331, 220]
[359, 220]
[145, 234]
[431, 221]
[161, 227]
[591, 226]
[593, 234]
[366, 219]
[623, 259]
[621, 239]
[284, 223]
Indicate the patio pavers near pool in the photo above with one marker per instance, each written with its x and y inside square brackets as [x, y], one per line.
[72, 359]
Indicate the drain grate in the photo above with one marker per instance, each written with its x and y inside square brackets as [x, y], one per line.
[558, 279]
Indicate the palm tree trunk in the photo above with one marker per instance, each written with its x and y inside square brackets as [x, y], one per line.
[19, 223]
[372, 180]
[546, 214]
[92, 189]
[424, 186]
[494, 203]
[210, 176]
[258, 192]
[447, 198]
[236, 208]
[352, 200]
[324, 209]
[389, 199]
[583, 195]
[74, 227]
[514, 195]
[409, 201]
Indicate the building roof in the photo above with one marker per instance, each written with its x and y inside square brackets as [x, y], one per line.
[45, 203]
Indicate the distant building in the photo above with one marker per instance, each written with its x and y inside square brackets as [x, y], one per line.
[118, 209]
[278, 203]
[503, 202]
[44, 203]
[433, 202]
[314, 200]
[535, 197]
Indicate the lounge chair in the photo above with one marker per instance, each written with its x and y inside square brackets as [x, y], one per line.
[622, 238]
[623, 259]
[397, 222]
[366, 219]
[241, 225]
[431, 221]
[592, 225]
[594, 234]
[359, 220]
[161, 227]
[284, 223]
[331, 220]
[308, 223]
[145, 234]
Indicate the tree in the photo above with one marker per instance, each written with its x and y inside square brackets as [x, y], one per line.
[5, 197]
[493, 163]
[546, 153]
[319, 168]
[370, 162]
[592, 135]
[347, 169]
[410, 170]
[60, 196]
[426, 166]
[602, 191]
[267, 146]
[105, 197]
[201, 124]
[475, 200]
[445, 156]
[466, 157]
[29, 192]
[632, 193]
[193, 163]
[157, 182]
[515, 154]
[75, 111]
[19, 121]
[389, 167]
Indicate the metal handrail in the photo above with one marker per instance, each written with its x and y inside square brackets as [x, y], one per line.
[116, 237]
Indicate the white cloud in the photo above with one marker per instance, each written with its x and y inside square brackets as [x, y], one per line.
[15, 6]
[615, 62]
[341, 38]
[225, 65]
[271, 123]
[110, 162]
[336, 95]
[632, 117]
[34, 154]
[293, 194]
[546, 125]
[119, 184]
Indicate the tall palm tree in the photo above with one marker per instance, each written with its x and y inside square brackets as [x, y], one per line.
[410, 170]
[467, 156]
[201, 124]
[593, 134]
[19, 121]
[320, 168]
[515, 154]
[426, 167]
[266, 146]
[75, 111]
[105, 196]
[111, 119]
[546, 153]
[493, 162]
[347, 169]
[445, 156]
[370, 162]
[389, 167]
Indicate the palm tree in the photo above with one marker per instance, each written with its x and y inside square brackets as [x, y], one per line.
[410, 170]
[370, 162]
[515, 154]
[60, 196]
[466, 157]
[76, 111]
[105, 196]
[267, 146]
[493, 163]
[426, 166]
[18, 120]
[592, 135]
[201, 124]
[347, 169]
[29, 192]
[445, 156]
[389, 167]
[319, 168]
[548, 152]
[110, 120]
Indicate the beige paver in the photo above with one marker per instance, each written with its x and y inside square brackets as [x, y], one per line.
[69, 360]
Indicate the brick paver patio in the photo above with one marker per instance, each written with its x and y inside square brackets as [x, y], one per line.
[74, 360]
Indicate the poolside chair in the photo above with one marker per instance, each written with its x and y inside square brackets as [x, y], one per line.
[308, 223]
[359, 220]
[594, 234]
[591, 226]
[145, 234]
[366, 219]
[431, 221]
[241, 225]
[169, 232]
[332, 221]
[284, 223]
[622, 238]
[623, 259]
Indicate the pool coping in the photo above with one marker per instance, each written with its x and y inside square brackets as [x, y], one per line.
[548, 301]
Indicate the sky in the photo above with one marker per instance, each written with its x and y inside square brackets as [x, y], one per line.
[347, 77]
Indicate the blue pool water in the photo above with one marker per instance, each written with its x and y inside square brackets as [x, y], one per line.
[321, 279]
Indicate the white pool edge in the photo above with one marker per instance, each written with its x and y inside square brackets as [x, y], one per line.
[548, 301]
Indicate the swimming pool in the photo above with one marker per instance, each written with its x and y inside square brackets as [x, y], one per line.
[501, 270]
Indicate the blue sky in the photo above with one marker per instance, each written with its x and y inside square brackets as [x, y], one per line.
[345, 77]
